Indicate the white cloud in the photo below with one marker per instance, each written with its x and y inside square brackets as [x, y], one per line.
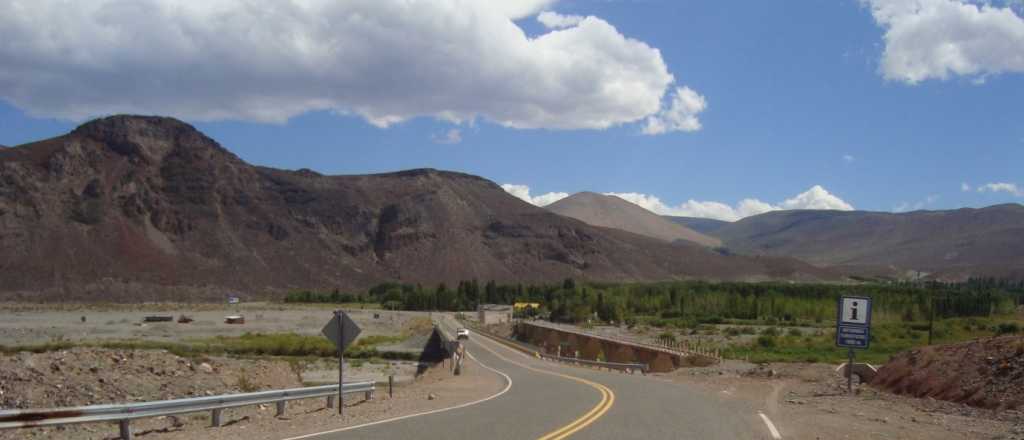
[814, 198]
[516, 9]
[1010, 188]
[935, 39]
[965, 187]
[384, 60]
[523, 192]
[848, 158]
[905, 207]
[452, 136]
[554, 20]
[680, 115]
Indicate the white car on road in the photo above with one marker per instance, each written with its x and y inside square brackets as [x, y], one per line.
[462, 333]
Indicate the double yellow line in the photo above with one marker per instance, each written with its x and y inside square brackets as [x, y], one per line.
[607, 400]
[607, 397]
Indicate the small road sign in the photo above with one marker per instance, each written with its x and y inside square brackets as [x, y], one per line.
[341, 330]
[853, 328]
[853, 322]
[348, 330]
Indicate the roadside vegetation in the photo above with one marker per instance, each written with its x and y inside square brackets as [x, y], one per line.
[249, 344]
[756, 321]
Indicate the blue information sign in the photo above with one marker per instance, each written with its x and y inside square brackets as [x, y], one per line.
[853, 322]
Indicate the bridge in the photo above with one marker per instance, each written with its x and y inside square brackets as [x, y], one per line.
[560, 340]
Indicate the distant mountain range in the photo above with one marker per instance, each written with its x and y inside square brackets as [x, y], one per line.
[949, 244]
[135, 208]
[614, 212]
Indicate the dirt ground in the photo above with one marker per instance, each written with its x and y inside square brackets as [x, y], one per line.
[24, 324]
[809, 401]
[88, 376]
[987, 373]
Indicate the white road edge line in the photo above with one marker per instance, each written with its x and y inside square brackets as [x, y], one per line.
[508, 385]
[771, 426]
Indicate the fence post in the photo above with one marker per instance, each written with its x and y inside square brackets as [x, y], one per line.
[126, 429]
[391, 386]
[330, 401]
[280, 408]
[215, 418]
[369, 395]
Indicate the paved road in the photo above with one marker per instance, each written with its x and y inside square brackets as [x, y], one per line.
[546, 398]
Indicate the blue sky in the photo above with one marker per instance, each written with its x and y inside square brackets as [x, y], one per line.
[796, 97]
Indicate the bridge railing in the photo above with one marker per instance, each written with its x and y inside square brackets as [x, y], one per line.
[124, 413]
[624, 367]
[679, 348]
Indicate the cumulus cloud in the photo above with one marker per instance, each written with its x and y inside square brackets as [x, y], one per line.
[1010, 188]
[936, 39]
[384, 60]
[814, 198]
[452, 136]
[554, 20]
[680, 115]
[965, 187]
[523, 192]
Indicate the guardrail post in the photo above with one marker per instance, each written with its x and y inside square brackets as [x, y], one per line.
[369, 395]
[391, 386]
[280, 408]
[215, 418]
[126, 429]
[330, 401]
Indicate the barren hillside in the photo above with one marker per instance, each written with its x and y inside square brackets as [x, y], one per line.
[128, 207]
[950, 244]
[613, 212]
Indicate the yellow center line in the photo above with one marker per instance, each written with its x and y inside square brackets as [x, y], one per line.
[607, 399]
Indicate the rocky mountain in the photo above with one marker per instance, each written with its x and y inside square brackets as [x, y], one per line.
[613, 212]
[134, 208]
[950, 244]
[706, 226]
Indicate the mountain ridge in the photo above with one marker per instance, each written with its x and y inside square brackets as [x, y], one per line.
[955, 243]
[128, 204]
[614, 212]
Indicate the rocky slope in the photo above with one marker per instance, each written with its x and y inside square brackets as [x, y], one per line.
[952, 244]
[613, 212]
[129, 208]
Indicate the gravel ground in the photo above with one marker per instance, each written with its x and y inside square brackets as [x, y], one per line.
[149, 375]
[808, 401]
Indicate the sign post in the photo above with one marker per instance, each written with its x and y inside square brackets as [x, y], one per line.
[341, 330]
[853, 329]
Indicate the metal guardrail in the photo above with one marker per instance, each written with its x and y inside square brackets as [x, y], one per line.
[124, 413]
[624, 367]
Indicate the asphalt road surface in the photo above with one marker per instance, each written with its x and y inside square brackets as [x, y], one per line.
[552, 401]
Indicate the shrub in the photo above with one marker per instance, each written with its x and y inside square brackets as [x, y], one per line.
[794, 332]
[732, 331]
[748, 330]
[766, 341]
[770, 331]
[1007, 328]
